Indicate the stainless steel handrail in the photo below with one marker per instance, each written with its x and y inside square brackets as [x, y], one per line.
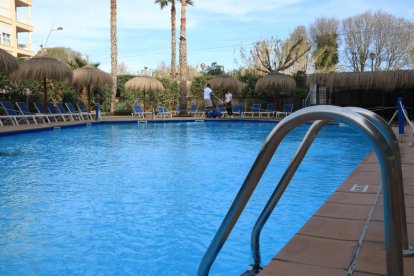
[385, 156]
[392, 141]
[280, 189]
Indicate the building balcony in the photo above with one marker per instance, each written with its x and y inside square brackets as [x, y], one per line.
[24, 52]
[22, 46]
[24, 20]
[23, 27]
[23, 3]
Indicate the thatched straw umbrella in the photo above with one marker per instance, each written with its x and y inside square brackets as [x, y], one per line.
[43, 68]
[90, 77]
[275, 82]
[8, 63]
[224, 83]
[379, 80]
[145, 84]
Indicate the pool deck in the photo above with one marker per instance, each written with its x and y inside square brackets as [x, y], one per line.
[326, 243]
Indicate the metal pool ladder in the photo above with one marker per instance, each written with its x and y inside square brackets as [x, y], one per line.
[385, 145]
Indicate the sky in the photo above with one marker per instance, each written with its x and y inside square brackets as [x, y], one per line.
[216, 29]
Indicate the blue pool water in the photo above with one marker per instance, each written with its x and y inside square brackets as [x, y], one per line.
[148, 199]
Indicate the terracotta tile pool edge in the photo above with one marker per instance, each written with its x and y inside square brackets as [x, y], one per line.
[302, 251]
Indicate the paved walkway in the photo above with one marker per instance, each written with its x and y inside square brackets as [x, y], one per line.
[326, 243]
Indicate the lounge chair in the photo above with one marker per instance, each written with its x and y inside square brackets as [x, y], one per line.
[61, 108]
[194, 111]
[137, 111]
[24, 110]
[55, 111]
[287, 109]
[163, 112]
[177, 110]
[238, 109]
[12, 115]
[223, 110]
[82, 108]
[41, 110]
[255, 110]
[270, 110]
[74, 112]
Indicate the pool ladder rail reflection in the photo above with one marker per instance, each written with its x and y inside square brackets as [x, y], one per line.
[385, 145]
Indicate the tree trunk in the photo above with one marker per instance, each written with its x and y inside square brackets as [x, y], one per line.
[89, 98]
[144, 100]
[173, 41]
[114, 54]
[45, 93]
[183, 60]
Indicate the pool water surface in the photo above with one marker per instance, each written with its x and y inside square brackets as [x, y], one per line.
[147, 199]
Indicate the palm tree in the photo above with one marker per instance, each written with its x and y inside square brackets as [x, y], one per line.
[163, 4]
[114, 53]
[183, 60]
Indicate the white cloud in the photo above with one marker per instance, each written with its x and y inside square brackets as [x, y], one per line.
[243, 7]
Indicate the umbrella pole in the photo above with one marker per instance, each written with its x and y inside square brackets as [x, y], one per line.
[144, 101]
[89, 98]
[45, 92]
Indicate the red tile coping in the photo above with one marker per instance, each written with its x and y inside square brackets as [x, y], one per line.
[326, 243]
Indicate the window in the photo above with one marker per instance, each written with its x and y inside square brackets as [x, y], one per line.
[321, 95]
[5, 31]
[5, 39]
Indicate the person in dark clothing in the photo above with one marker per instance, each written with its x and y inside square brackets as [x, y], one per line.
[227, 100]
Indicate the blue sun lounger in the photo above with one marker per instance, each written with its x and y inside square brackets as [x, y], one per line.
[255, 110]
[287, 109]
[238, 109]
[163, 112]
[63, 110]
[194, 111]
[74, 112]
[12, 115]
[177, 110]
[57, 111]
[41, 110]
[24, 110]
[82, 108]
[137, 111]
[270, 110]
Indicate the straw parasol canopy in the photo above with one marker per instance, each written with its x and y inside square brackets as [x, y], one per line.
[90, 77]
[275, 82]
[43, 68]
[224, 83]
[8, 63]
[379, 80]
[145, 84]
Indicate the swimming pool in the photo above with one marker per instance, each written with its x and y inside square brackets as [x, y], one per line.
[147, 199]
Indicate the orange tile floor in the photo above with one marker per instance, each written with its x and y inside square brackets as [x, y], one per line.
[326, 243]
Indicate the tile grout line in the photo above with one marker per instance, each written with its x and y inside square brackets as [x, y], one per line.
[362, 237]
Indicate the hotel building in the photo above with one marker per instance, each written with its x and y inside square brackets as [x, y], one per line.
[16, 27]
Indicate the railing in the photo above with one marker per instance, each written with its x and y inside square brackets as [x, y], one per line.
[386, 148]
[306, 101]
[24, 20]
[22, 46]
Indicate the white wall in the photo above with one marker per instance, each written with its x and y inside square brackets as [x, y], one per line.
[5, 9]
